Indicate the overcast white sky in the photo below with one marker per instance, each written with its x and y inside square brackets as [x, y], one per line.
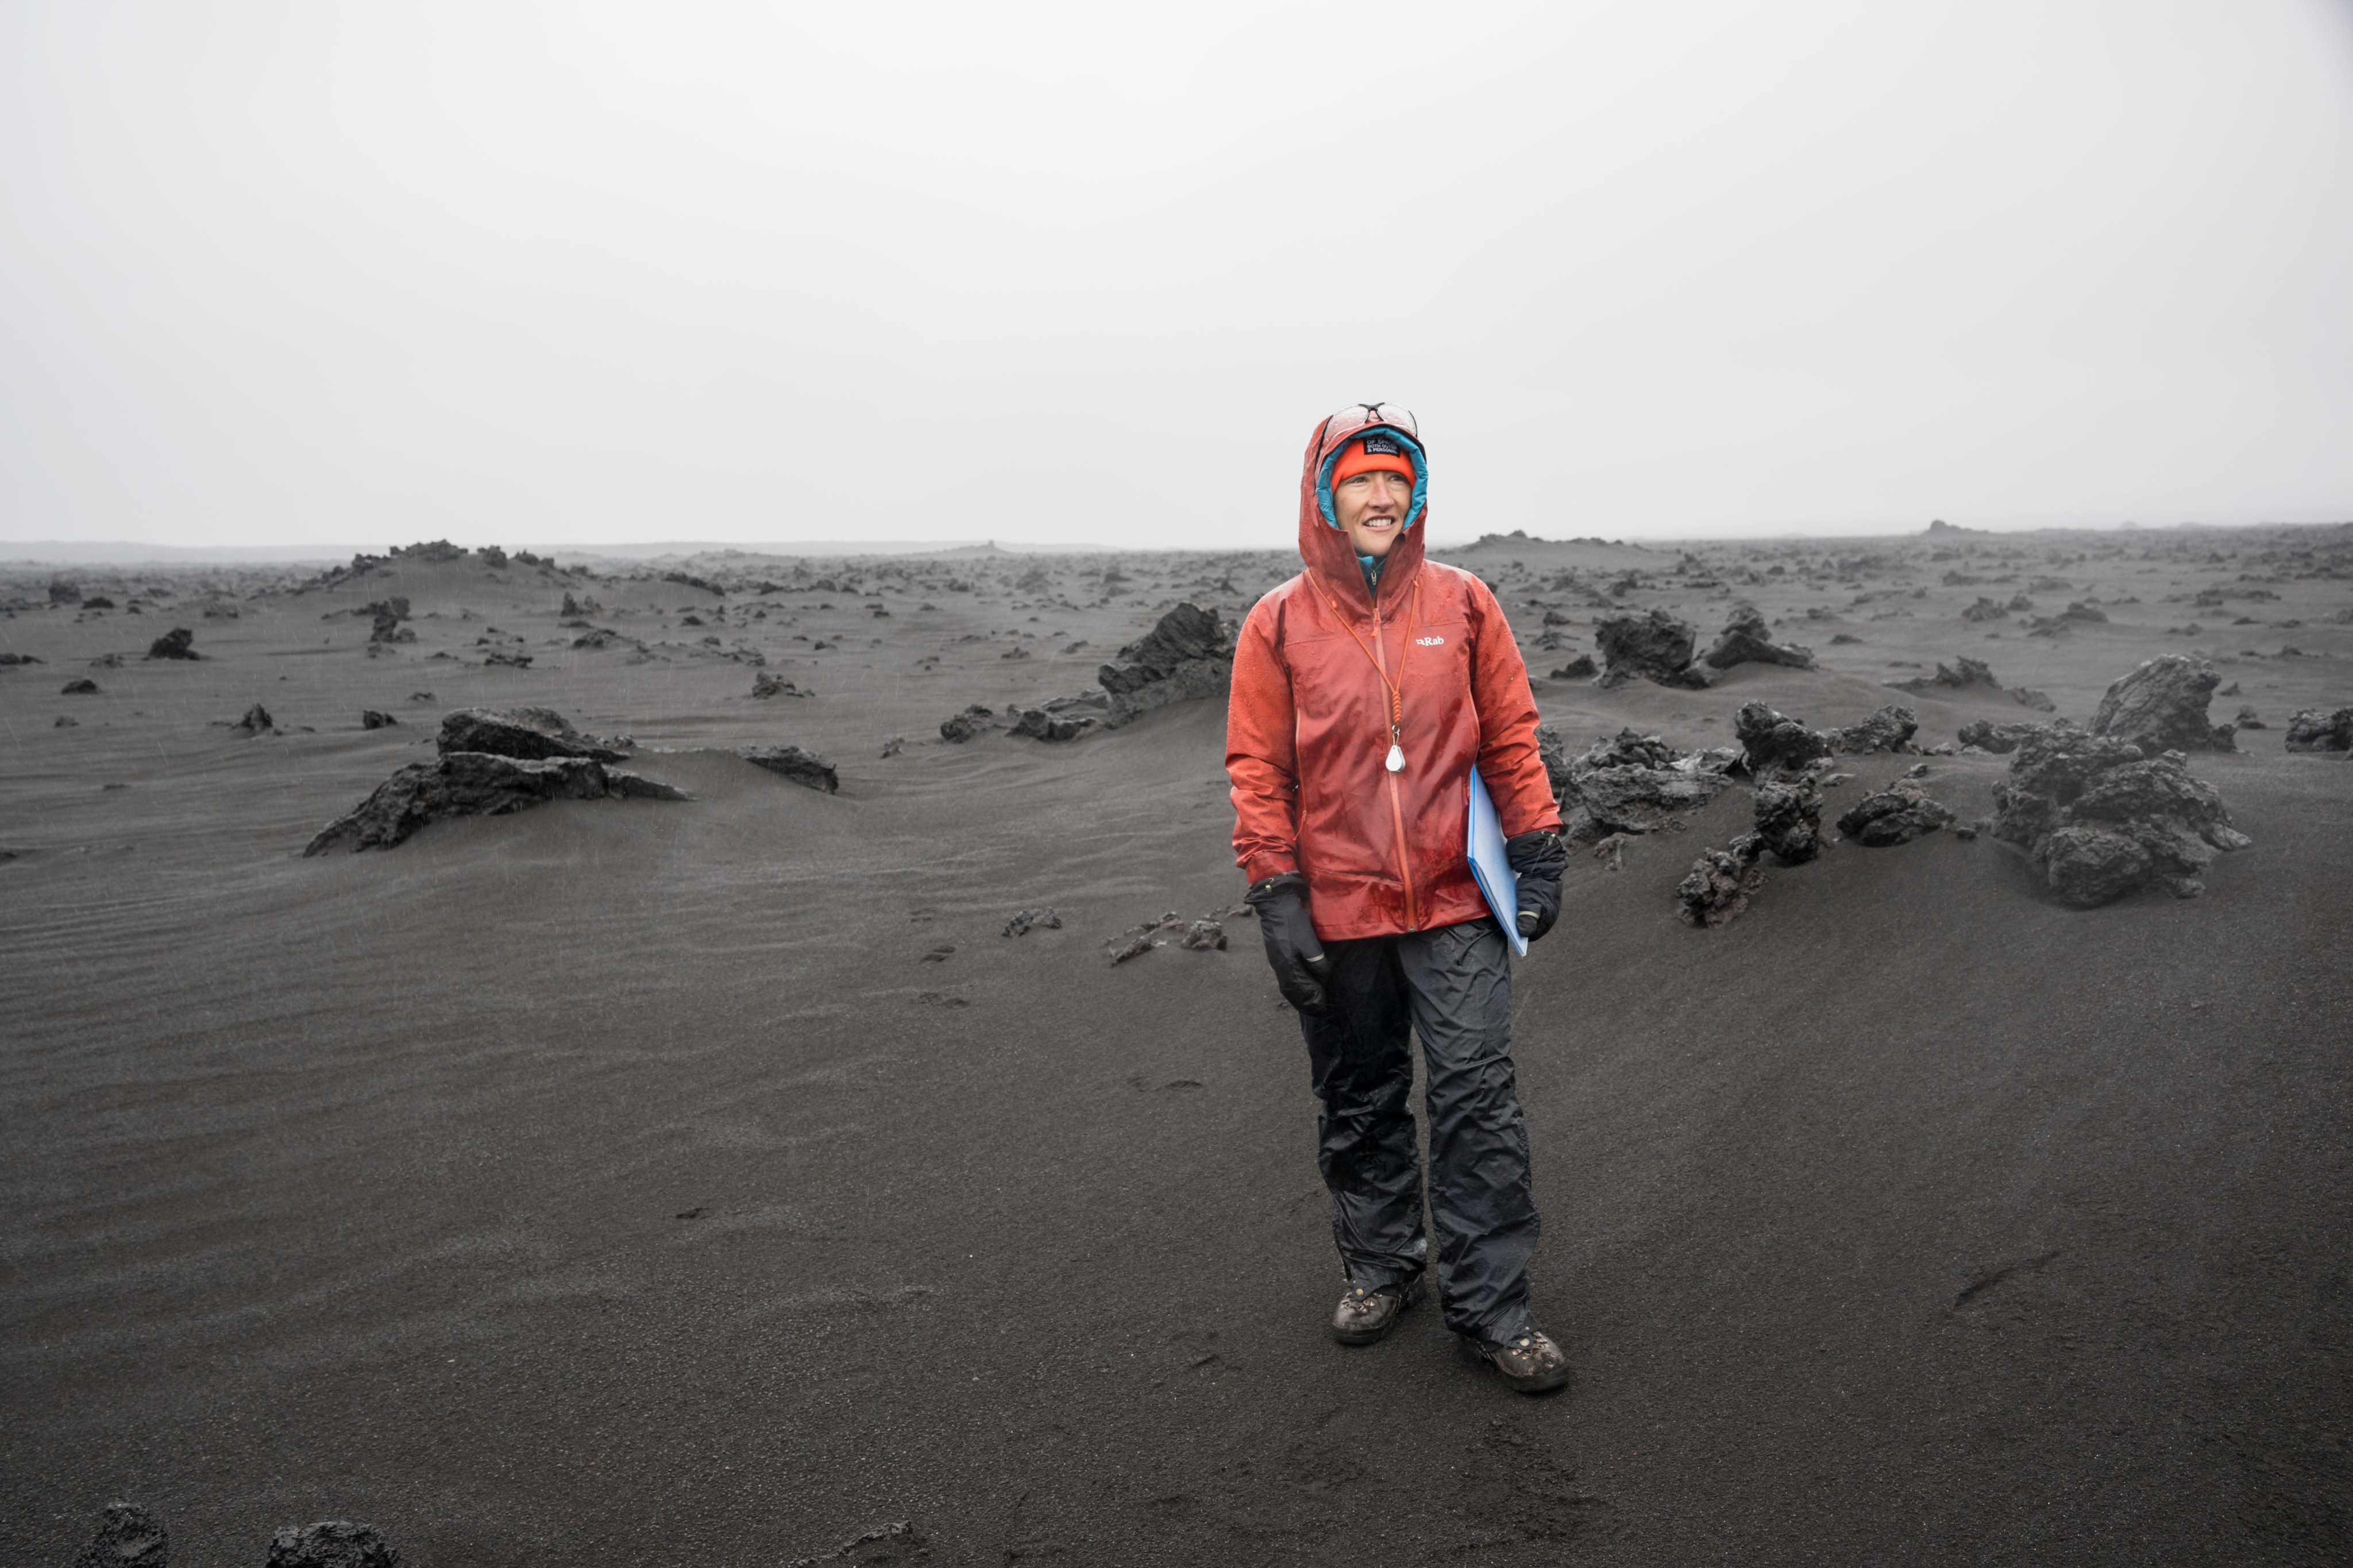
[597, 273]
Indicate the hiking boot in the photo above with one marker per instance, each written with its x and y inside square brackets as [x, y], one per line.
[1528, 1361]
[1365, 1315]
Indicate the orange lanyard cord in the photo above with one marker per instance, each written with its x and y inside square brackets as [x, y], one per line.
[1396, 688]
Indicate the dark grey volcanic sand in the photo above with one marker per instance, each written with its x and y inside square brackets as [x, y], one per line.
[626, 1181]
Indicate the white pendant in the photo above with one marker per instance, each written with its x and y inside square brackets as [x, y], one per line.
[1396, 759]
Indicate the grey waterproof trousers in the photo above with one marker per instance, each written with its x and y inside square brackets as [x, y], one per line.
[1453, 987]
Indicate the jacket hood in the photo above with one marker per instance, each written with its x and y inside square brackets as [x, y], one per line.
[1321, 545]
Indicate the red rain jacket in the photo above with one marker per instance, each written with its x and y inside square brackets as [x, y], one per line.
[1307, 728]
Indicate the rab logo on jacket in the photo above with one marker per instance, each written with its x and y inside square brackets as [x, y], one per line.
[1431, 642]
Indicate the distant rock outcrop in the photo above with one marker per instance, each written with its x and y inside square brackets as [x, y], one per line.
[791, 761]
[2314, 730]
[1187, 655]
[2161, 706]
[177, 643]
[1896, 814]
[1746, 639]
[1631, 783]
[1655, 647]
[2103, 818]
[257, 721]
[475, 784]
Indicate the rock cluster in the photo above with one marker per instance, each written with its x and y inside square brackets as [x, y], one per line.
[2314, 729]
[770, 684]
[974, 721]
[177, 643]
[1789, 818]
[492, 763]
[1896, 814]
[1773, 743]
[1655, 647]
[1746, 639]
[1970, 676]
[2000, 739]
[1717, 887]
[387, 615]
[2161, 706]
[1631, 783]
[1207, 934]
[1889, 729]
[2104, 818]
[1024, 922]
[791, 761]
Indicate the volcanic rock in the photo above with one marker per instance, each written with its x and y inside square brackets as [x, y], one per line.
[337, 1543]
[1656, 647]
[1581, 668]
[257, 721]
[1746, 639]
[1056, 721]
[2314, 730]
[974, 721]
[1896, 814]
[1773, 743]
[801, 767]
[177, 643]
[370, 719]
[526, 734]
[387, 615]
[1636, 783]
[1889, 729]
[17, 659]
[1187, 655]
[131, 1537]
[2161, 706]
[1203, 936]
[475, 784]
[1987, 736]
[2069, 794]
[1790, 821]
[773, 685]
[1717, 887]
[1959, 676]
[85, 687]
[1024, 922]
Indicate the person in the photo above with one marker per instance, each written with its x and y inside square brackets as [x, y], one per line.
[1365, 690]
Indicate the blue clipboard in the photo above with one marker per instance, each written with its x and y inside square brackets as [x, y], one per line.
[1490, 868]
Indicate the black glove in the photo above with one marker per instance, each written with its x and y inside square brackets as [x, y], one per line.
[1293, 949]
[1537, 861]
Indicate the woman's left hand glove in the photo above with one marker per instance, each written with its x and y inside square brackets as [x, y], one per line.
[1538, 861]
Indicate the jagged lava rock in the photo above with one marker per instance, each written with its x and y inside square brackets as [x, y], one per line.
[476, 783]
[2313, 730]
[1746, 639]
[974, 721]
[256, 721]
[1656, 647]
[82, 687]
[2161, 706]
[1889, 729]
[335, 1543]
[131, 1537]
[1186, 656]
[1024, 922]
[370, 719]
[791, 761]
[2103, 819]
[1717, 886]
[1789, 820]
[2001, 739]
[1774, 743]
[1896, 814]
[527, 734]
[1637, 783]
[177, 643]
[1054, 721]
